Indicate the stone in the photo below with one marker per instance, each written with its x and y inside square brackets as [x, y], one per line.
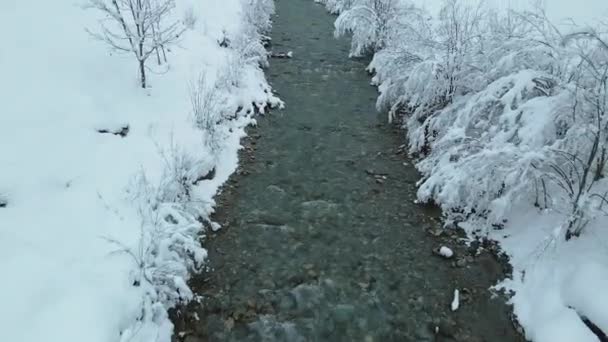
[436, 232]
[462, 262]
[343, 313]
[444, 252]
[474, 247]
[229, 324]
[276, 191]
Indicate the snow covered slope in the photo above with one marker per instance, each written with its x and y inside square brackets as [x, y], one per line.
[98, 231]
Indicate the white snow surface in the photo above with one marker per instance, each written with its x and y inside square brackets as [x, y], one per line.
[100, 232]
[492, 143]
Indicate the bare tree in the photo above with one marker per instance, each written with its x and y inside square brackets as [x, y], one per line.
[140, 27]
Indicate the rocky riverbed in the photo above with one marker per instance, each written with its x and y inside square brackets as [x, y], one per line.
[321, 238]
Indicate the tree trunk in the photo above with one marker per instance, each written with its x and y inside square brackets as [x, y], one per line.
[157, 56]
[142, 73]
[142, 62]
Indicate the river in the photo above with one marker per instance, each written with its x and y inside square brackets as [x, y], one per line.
[322, 240]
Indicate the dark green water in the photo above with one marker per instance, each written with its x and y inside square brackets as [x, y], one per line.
[316, 247]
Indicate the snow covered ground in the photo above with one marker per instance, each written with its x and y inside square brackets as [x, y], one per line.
[507, 116]
[98, 232]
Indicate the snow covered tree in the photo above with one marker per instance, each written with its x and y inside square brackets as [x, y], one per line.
[337, 6]
[580, 166]
[369, 21]
[139, 27]
[424, 63]
[502, 109]
[260, 13]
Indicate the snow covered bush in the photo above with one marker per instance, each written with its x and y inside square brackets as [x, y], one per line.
[206, 101]
[168, 249]
[485, 148]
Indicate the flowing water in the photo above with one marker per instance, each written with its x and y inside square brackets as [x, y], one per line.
[322, 240]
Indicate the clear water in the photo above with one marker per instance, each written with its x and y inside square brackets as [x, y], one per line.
[318, 246]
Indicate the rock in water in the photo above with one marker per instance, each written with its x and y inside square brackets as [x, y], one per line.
[456, 300]
[444, 252]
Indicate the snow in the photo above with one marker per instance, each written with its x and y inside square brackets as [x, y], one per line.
[98, 234]
[501, 131]
[446, 252]
[556, 282]
[456, 301]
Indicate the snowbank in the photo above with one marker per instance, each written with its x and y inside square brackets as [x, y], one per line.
[99, 231]
[507, 115]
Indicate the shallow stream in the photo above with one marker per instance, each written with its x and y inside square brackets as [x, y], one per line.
[322, 240]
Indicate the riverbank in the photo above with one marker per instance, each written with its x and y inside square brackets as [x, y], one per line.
[103, 185]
